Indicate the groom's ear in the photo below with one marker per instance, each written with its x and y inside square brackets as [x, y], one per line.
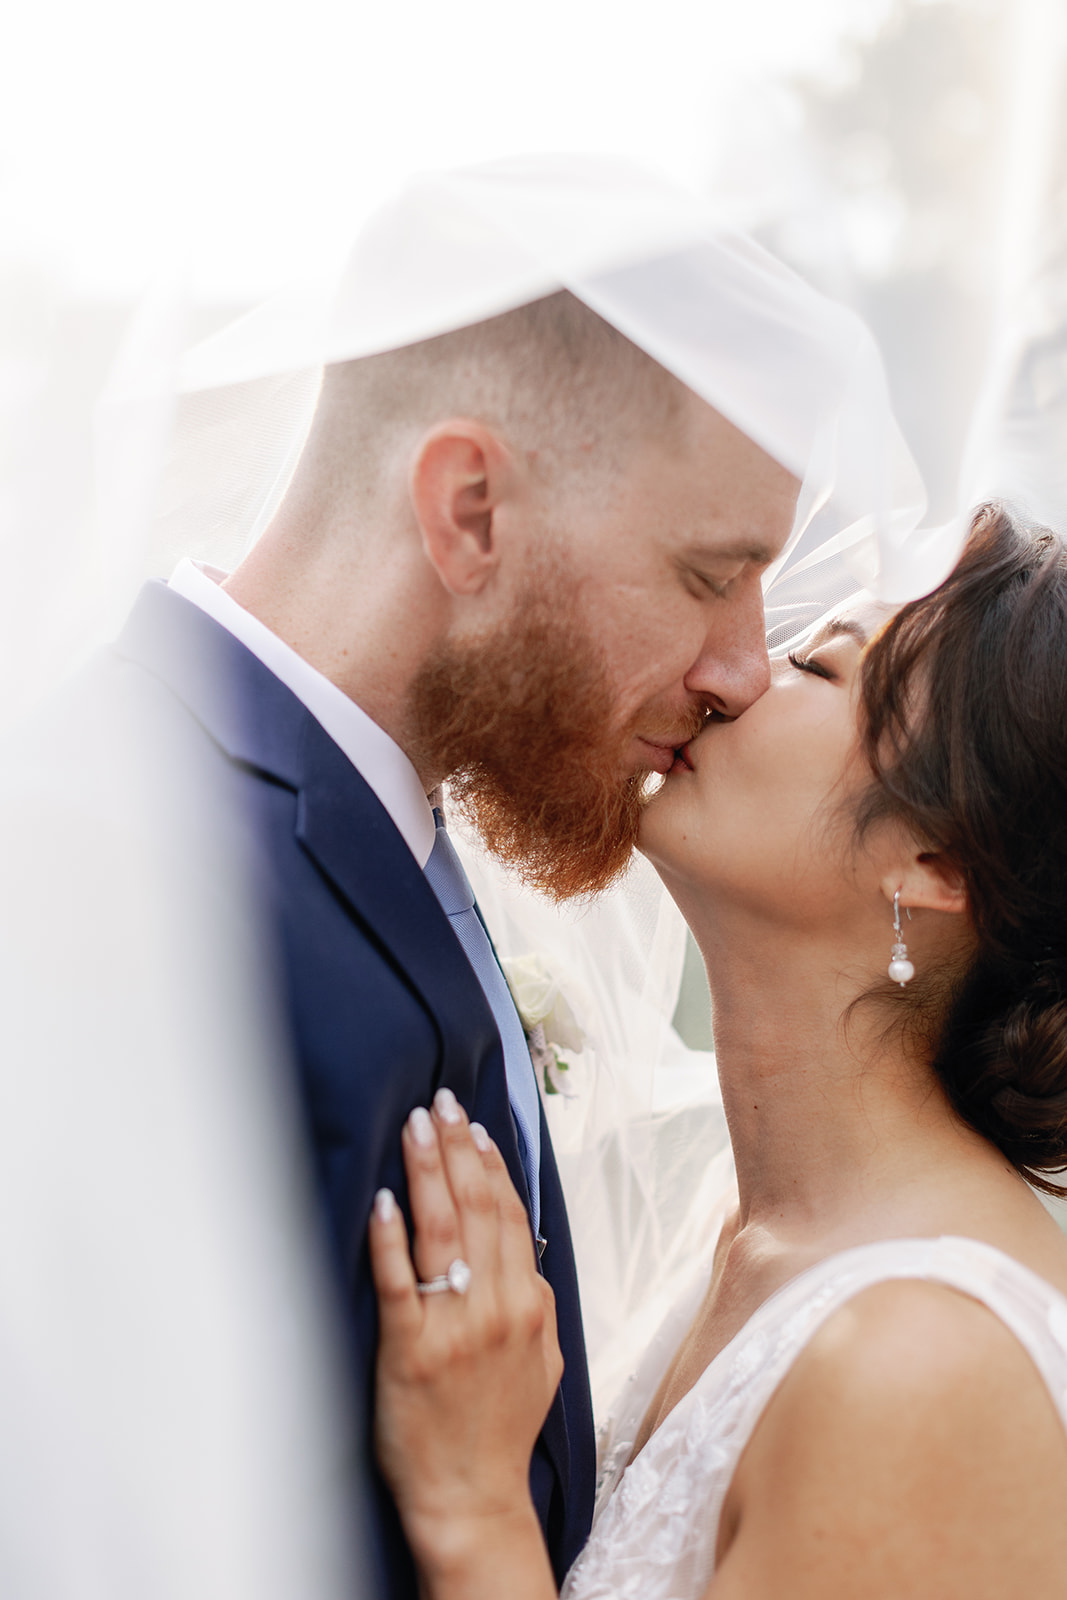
[459, 477]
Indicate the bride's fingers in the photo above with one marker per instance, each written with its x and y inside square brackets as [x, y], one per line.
[516, 1246]
[472, 1192]
[438, 1240]
[399, 1305]
[528, 1296]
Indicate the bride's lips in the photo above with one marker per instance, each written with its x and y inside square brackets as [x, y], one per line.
[684, 753]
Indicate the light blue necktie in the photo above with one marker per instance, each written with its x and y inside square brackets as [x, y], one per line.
[450, 884]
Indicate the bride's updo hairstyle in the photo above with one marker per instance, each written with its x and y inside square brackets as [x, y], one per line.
[964, 706]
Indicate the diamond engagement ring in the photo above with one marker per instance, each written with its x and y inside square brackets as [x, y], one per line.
[457, 1280]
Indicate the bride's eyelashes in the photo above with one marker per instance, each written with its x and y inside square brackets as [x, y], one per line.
[808, 664]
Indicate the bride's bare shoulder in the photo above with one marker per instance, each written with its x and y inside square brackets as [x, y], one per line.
[912, 1449]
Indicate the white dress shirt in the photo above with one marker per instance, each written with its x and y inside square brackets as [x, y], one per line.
[377, 758]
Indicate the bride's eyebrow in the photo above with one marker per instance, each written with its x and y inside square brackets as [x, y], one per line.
[834, 628]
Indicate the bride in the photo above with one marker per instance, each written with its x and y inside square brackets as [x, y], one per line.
[871, 1398]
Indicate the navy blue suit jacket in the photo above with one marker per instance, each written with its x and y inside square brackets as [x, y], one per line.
[383, 1009]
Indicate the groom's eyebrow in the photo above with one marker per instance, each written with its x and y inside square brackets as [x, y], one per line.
[758, 554]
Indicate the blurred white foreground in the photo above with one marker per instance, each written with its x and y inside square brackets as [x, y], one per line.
[170, 1421]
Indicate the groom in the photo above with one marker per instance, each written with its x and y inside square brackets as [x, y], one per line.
[521, 557]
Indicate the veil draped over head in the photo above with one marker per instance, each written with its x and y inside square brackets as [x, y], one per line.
[634, 1113]
[799, 374]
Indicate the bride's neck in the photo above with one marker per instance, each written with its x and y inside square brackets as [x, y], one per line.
[828, 1115]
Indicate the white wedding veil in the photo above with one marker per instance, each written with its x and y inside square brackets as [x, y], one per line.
[172, 1430]
[797, 372]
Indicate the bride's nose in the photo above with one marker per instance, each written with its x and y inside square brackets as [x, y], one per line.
[733, 668]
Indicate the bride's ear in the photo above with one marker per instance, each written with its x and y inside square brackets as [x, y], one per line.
[928, 881]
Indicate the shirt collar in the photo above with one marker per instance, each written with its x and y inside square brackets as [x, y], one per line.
[376, 756]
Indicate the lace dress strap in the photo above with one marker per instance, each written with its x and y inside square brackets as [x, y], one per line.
[657, 1534]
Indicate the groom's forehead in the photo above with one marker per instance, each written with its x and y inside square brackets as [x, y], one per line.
[735, 501]
[710, 440]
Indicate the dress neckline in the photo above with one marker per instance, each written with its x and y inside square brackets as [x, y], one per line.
[931, 1245]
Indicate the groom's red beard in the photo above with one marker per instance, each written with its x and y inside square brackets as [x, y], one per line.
[522, 721]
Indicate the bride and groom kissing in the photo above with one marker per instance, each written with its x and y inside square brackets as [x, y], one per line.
[524, 557]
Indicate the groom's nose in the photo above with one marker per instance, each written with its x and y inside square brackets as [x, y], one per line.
[733, 668]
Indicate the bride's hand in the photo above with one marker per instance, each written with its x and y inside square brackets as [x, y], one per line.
[465, 1381]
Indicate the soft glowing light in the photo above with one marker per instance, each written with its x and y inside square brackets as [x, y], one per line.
[248, 138]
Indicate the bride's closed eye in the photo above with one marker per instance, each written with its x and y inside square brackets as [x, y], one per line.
[808, 664]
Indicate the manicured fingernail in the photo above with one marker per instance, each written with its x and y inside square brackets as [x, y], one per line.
[446, 1105]
[385, 1205]
[481, 1139]
[422, 1129]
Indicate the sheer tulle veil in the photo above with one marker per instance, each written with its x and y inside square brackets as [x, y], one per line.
[155, 1455]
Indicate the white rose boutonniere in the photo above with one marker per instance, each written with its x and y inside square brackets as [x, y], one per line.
[547, 1018]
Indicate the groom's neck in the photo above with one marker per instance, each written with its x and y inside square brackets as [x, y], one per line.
[358, 611]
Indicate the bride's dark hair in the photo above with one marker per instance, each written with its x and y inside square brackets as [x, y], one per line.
[964, 697]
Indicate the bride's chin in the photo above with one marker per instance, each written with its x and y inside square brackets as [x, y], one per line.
[655, 832]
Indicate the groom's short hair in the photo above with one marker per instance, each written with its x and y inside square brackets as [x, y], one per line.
[552, 374]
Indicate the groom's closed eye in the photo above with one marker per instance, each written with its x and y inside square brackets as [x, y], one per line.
[715, 571]
[702, 583]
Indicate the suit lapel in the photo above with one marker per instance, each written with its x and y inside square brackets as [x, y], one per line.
[348, 833]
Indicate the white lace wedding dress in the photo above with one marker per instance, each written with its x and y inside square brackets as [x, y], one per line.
[656, 1531]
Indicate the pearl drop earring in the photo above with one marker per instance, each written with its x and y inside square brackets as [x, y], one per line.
[900, 968]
